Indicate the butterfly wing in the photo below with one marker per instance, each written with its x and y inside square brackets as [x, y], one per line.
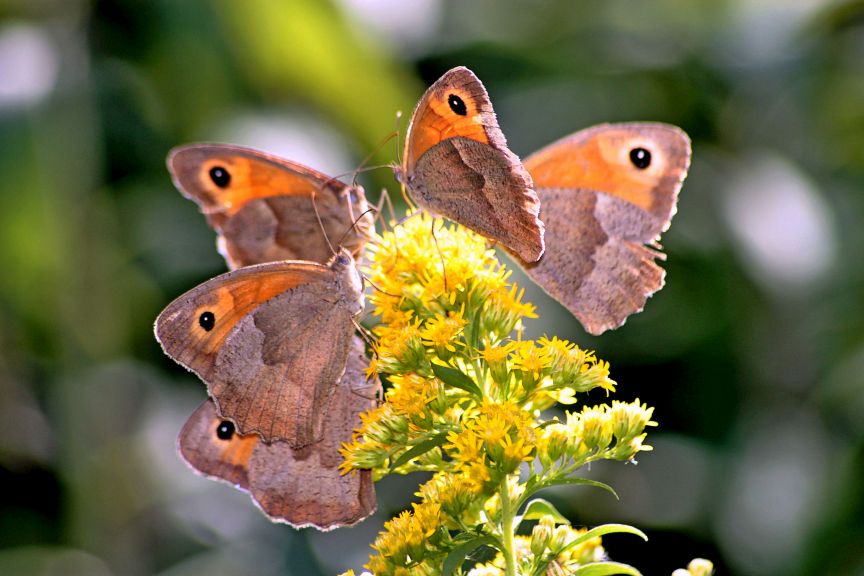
[262, 205]
[457, 164]
[304, 486]
[209, 445]
[270, 341]
[607, 193]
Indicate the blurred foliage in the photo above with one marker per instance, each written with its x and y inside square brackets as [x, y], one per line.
[753, 355]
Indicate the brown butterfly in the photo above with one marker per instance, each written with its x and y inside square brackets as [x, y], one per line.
[302, 486]
[262, 205]
[457, 164]
[270, 341]
[607, 193]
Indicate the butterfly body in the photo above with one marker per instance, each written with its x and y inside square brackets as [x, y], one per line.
[456, 163]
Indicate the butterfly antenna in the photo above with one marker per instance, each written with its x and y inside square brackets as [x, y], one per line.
[372, 154]
[398, 131]
[408, 201]
[440, 255]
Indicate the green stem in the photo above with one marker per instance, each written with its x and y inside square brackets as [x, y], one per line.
[508, 549]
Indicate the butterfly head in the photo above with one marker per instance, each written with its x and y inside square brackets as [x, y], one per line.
[346, 270]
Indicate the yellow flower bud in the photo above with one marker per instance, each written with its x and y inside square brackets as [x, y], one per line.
[541, 534]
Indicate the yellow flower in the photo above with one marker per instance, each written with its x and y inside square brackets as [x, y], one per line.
[532, 362]
[596, 427]
[496, 358]
[410, 393]
[454, 494]
[696, 567]
[491, 429]
[514, 453]
[361, 455]
[467, 445]
[552, 443]
[477, 476]
[504, 311]
[441, 331]
[629, 419]
[400, 349]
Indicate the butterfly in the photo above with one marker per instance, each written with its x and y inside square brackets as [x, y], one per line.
[262, 205]
[456, 163]
[606, 194]
[274, 340]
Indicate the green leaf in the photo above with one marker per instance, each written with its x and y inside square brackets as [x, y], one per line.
[568, 481]
[472, 330]
[602, 531]
[457, 555]
[417, 450]
[455, 378]
[605, 568]
[538, 508]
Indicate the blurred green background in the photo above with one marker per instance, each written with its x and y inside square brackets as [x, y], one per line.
[753, 355]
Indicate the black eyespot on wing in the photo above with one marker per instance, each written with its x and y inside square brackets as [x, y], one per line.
[640, 157]
[207, 320]
[457, 105]
[220, 176]
[225, 430]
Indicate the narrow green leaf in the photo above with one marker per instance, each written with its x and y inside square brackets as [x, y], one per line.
[602, 531]
[538, 508]
[606, 569]
[455, 378]
[457, 555]
[569, 481]
[417, 450]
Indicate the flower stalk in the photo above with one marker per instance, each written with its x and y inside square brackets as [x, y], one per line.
[508, 549]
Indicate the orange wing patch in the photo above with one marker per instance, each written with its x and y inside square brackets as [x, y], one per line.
[238, 450]
[435, 121]
[197, 323]
[251, 180]
[599, 163]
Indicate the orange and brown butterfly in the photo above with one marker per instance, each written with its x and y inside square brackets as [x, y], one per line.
[607, 193]
[456, 163]
[299, 486]
[262, 205]
[270, 341]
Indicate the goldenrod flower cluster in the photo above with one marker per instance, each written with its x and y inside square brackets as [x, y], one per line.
[464, 400]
